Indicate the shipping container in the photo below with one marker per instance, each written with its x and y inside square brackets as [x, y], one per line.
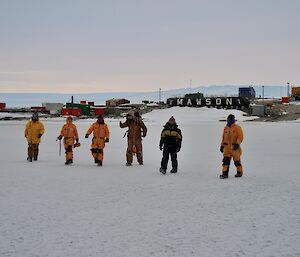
[2, 106]
[258, 110]
[247, 92]
[72, 111]
[99, 111]
[285, 99]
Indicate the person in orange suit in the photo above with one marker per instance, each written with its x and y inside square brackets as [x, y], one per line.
[136, 130]
[101, 136]
[33, 133]
[231, 147]
[71, 139]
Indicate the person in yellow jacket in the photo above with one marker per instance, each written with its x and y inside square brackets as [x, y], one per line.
[231, 147]
[33, 132]
[71, 139]
[101, 136]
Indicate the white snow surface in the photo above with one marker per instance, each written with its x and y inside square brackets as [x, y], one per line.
[49, 209]
[15, 115]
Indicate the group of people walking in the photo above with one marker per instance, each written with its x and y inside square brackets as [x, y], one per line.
[136, 130]
[170, 141]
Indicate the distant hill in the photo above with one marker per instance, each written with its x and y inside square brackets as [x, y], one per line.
[35, 99]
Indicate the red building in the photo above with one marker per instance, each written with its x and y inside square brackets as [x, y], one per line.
[2, 106]
[71, 111]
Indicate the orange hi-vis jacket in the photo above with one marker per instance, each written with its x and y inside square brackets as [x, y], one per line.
[231, 135]
[33, 130]
[69, 130]
[99, 130]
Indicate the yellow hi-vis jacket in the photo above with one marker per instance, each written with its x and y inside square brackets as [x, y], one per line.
[231, 135]
[33, 130]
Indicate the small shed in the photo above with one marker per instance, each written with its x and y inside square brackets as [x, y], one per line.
[116, 102]
[258, 110]
[53, 108]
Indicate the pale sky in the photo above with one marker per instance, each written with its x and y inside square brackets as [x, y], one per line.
[78, 46]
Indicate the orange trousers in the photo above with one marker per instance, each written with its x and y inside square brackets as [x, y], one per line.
[236, 155]
[97, 147]
[69, 145]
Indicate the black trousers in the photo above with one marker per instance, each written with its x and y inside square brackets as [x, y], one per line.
[166, 153]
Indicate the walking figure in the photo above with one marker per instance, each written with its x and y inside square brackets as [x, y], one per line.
[71, 139]
[231, 147]
[33, 133]
[170, 143]
[100, 137]
[136, 130]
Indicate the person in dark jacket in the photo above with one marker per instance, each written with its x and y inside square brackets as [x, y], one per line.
[170, 143]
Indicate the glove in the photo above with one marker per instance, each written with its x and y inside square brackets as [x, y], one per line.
[40, 135]
[86, 136]
[221, 148]
[77, 144]
[161, 147]
[235, 146]
[106, 140]
[59, 137]
[178, 149]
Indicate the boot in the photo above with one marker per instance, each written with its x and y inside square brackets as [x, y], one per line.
[68, 162]
[224, 175]
[128, 163]
[162, 170]
[35, 158]
[29, 159]
[238, 174]
[173, 170]
[96, 160]
[99, 163]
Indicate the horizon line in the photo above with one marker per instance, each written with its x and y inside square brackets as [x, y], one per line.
[146, 91]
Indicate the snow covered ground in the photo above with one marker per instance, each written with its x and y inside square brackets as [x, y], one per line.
[49, 209]
[14, 115]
